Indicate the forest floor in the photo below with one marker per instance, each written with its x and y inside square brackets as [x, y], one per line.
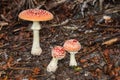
[99, 58]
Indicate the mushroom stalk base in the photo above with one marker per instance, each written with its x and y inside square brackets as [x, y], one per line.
[52, 65]
[72, 59]
[36, 49]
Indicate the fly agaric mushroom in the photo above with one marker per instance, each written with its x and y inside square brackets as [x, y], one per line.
[58, 53]
[36, 15]
[72, 46]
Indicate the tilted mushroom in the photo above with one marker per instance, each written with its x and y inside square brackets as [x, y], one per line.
[72, 46]
[58, 53]
[35, 15]
[107, 19]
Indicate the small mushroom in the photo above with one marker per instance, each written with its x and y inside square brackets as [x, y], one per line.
[58, 53]
[72, 46]
[35, 15]
[107, 19]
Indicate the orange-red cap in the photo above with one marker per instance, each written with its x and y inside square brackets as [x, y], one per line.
[35, 15]
[72, 45]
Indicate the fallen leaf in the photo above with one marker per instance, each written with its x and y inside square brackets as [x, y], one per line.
[110, 42]
[36, 70]
[6, 78]
[106, 55]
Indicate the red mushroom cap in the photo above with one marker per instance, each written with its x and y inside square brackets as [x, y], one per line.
[35, 15]
[72, 45]
[58, 52]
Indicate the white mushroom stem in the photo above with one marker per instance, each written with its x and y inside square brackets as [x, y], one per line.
[72, 59]
[36, 49]
[52, 65]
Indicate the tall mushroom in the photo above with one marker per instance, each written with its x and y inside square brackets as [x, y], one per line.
[58, 53]
[35, 15]
[72, 46]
